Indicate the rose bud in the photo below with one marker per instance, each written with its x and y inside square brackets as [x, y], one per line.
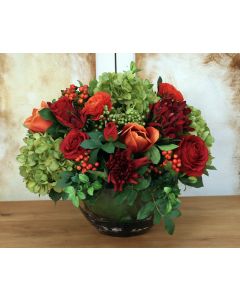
[35, 122]
[110, 132]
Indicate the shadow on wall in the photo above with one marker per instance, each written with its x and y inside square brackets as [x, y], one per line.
[25, 80]
[210, 82]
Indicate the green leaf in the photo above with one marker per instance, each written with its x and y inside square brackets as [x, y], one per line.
[81, 195]
[120, 197]
[154, 155]
[174, 213]
[92, 85]
[91, 144]
[83, 178]
[143, 184]
[168, 147]
[108, 147]
[54, 195]
[46, 114]
[146, 196]
[63, 179]
[120, 145]
[75, 200]
[210, 167]
[145, 211]
[132, 195]
[93, 156]
[100, 174]
[90, 191]
[197, 184]
[97, 185]
[142, 170]
[95, 135]
[169, 225]
[156, 217]
[70, 190]
[167, 189]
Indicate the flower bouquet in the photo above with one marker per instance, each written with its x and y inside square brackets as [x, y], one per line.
[118, 150]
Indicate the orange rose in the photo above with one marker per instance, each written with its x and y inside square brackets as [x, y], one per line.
[95, 105]
[137, 138]
[35, 122]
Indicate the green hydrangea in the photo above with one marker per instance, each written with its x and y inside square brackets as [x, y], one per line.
[128, 90]
[41, 162]
[200, 126]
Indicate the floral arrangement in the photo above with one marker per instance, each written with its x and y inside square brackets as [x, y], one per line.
[118, 136]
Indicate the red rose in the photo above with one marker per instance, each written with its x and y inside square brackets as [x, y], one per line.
[95, 105]
[70, 146]
[168, 92]
[110, 132]
[66, 113]
[193, 154]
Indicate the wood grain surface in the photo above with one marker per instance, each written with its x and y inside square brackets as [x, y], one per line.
[205, 222]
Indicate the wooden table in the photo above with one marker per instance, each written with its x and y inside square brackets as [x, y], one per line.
[205, 222]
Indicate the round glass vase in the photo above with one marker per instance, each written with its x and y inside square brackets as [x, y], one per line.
[110, 217]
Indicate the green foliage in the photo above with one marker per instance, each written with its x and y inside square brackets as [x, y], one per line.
[92, 86]
[127, 90]
[168, 147]
[200, 126]
[154, 155]
[192, 181]
[41, 163]
[81, 187]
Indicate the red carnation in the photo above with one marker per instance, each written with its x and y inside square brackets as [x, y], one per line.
[66, 113]
[193, 154]
[122, 169]
[110, 132]
[95, 105]
[168, 92]
[171, 117]
[70, 146]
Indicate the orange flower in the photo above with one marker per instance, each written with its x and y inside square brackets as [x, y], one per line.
[137, 138]
[35, 122]
[95, 105]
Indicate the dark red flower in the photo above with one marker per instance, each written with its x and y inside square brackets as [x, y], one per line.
[70, 146]
[110, 132]
[171, 117]
[168, 92]
[66, 113]
[122, 168]
[193, 154]
[95, 105]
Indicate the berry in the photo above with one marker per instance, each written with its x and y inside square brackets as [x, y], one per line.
[78, 168]
[80, 157]
[84, 170]
[89, 166]
[81, 88]
[175, 161]
[169, 152]
[179, 165]
[94, 169]
[175, 156]
[96, 164]
[84, 164]
[85, 96]
[164, 153]
[80, 101]
[86, 158]
[177, 169]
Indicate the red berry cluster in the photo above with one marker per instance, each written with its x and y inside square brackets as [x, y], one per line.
[74, 93]
[83, 93]
[154, 168]
[173, 159]
[83, 165]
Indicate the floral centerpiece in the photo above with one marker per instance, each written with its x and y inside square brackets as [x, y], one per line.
[118, 150]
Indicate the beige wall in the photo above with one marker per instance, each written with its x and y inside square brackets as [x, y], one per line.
[210, 82]
[25, 80]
